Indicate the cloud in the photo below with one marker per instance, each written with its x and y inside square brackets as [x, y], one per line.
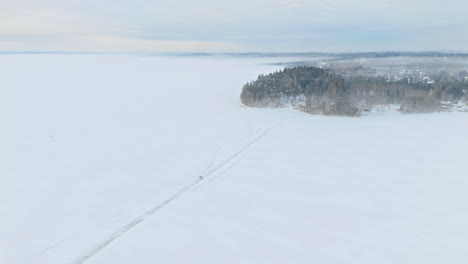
[241, 25]
[44, 28]
[110, 44]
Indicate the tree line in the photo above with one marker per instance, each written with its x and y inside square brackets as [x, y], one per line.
[319, 91]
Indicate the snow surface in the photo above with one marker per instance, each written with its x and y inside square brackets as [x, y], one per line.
[100, 158]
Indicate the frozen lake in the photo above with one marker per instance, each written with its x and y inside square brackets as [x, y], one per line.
[101, 158]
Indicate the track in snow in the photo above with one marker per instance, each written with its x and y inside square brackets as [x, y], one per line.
[138, 220]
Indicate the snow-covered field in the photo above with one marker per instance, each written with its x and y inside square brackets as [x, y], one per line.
[100, 158]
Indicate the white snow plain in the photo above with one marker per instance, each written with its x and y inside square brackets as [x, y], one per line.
[101, 158]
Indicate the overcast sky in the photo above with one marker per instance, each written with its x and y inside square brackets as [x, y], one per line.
[233, 25]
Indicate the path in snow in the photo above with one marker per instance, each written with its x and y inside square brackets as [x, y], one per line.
[139, 219]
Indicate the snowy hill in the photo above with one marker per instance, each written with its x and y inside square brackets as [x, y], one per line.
[101, 158]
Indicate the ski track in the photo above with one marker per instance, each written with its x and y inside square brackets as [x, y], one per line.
[52, 247]
[221, 173]
[138, 220]
[35, 256]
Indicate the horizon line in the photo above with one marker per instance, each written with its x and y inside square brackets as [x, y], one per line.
[274, 53]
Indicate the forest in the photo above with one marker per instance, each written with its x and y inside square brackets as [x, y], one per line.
[322, 91]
